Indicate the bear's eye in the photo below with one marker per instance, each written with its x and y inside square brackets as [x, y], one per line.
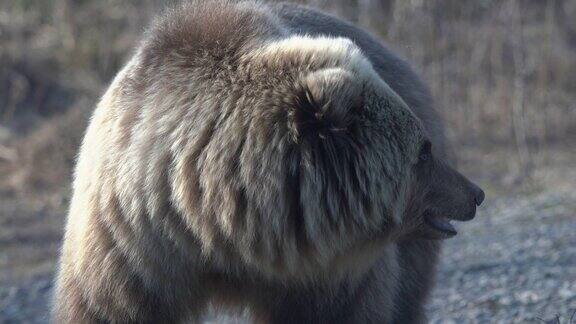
[425, 151]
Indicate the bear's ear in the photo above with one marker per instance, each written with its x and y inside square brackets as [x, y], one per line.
[327, 102]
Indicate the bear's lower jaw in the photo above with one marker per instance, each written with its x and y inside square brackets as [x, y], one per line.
[441, 225]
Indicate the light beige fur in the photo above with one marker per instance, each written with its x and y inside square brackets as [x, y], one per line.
[231, 155]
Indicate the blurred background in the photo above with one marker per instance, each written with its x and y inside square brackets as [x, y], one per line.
[503, 75]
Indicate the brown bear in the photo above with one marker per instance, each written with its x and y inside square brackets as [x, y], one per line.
[261, 157]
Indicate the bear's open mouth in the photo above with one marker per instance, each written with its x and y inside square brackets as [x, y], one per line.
[441, 224]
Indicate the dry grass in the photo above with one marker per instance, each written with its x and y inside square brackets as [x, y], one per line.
[503, 73]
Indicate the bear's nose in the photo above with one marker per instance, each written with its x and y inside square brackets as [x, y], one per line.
[479, 197]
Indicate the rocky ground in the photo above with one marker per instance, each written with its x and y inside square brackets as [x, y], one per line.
[515, 263]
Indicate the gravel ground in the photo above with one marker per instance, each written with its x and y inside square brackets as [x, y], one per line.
[515, 263]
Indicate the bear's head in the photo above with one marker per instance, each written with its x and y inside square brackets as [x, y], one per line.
[337, 159]
[364, 146]
[439, 194]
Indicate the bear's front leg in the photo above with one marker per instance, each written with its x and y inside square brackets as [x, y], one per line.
[106, 292]
[102, 280]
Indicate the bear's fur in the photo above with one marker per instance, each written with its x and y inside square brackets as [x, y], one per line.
[253, 155]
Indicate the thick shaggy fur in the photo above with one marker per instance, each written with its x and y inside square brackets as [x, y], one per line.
[257, 156]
